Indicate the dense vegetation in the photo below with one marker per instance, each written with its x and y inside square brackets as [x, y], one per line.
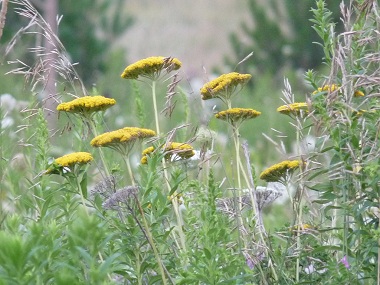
[170, 187]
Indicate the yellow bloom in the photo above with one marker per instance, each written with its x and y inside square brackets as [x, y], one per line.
[87, 104]
[182, 150]
[122, 140]
[293, 109]
[70, 160]
[150, 67]
[145, 153]
[173, 151]
[74, 158]
[328, 88]
[280, 170]
[224, 87]
[304, 228]
[358, 93]
[237, 115]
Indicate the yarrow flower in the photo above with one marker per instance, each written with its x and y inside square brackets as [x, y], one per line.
[327, 88]
[173, 151]
[236, 116]
[225, 86]
[122, 140]
[151, 67]
[280, 170]
[87, 105]
[335, 87]
[293, 109]
[70, 161]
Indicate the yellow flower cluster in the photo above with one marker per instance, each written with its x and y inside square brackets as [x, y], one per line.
[224, 86]
[280, 170]
[70, 160]
[235, 115]
[328, 88]
[87, 104]
[294, 108]
[150, 67]
[334, 87]
[304, 228]
[125, 135]
[176, 149]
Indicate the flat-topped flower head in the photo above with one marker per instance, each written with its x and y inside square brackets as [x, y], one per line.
[151, 67]
[280, 171]
[69, 161]
[235, 116]
[173, 151]
[225, 86]
[87, 105]
[122, 140]
[296, 109]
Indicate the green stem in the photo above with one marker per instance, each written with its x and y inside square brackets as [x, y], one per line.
[166, 176]
[102, 157]
[155, 107]
[129, 168]
[257, 215]
[236, 135]
[152, 244]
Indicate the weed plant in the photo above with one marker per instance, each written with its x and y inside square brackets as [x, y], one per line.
[148, 203]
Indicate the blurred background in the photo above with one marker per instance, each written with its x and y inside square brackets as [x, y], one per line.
[100, 38]
[210, 38]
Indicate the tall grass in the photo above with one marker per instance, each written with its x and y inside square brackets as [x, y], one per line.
[199, 212]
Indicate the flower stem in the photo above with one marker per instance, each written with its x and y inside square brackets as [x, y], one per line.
[129, 168]
[155, 107]
[151, 242]
[257, 215]
[102, 157]
[166, 176]
[239, 221]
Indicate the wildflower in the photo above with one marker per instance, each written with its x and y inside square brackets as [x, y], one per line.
[358, 93]
[173, 151]
[70, 161]
[151, 67]
[293, 109]
[87, 105]
[344, 260]
[327, 88]
[224, 87]
[236, 116]
[335, 87]
[304, 228]
[280, 170]
[122, 140]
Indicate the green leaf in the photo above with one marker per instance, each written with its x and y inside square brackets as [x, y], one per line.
[83, 185]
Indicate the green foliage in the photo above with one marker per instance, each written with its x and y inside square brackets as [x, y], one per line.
[89, 44]
[205, 220]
